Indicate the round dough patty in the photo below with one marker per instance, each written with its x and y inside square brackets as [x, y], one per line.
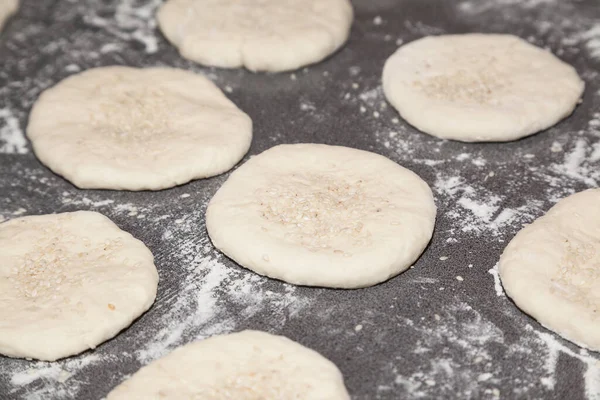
[480, 87]
[261, 35]
[551, 269]
[137, 129]
[248, 365]
[320, 215]
[69, 282]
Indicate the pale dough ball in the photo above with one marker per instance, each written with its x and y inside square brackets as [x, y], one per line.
[261, 35]
[7, 9]
[551, 269]
[320, 215]
[248, 365]
[69, 282]
[137, 129]
[480, 87]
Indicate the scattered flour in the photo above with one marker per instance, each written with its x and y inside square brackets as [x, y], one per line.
[497, 283]
[212, 298]
[581, 162]
[12, 139]
[456, 342]
[45, 380]
[131, 22]
[555, 348]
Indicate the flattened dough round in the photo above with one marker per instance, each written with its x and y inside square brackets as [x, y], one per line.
[551, 269]
[320, 215]
[69, 282]
[137, 129]
[261, 35]
[480, 87]
[7, 9]
[249, 365]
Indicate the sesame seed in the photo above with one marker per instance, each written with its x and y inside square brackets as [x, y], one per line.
[316, 209]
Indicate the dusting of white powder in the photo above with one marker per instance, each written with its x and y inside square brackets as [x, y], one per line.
[56, 379]
[580, 162]
[497, 283]
[555, 348]
[12, 139]
[132, 22]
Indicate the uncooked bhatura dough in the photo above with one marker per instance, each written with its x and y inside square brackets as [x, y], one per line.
[248, 365]
[480, 87]
[551, 269]
[261, 35]
[7, 9]
[69, 282]
[136, 129]
[320, 215]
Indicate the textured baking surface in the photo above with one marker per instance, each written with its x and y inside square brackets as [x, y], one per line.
[442, 329]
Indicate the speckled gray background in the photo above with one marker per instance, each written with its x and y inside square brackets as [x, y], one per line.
[423, 334]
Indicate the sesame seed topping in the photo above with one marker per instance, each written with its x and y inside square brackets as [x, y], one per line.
[467, 86]
[134, 117]
[52, 266]
[578, 273]
[317, 211]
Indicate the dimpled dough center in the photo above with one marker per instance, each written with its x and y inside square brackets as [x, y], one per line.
[322, 215]
[137, 129]
[480, 87]
[69, 282]
[261, 35]
[249, 365]
[551, 269]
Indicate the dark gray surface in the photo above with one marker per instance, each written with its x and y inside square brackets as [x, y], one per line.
[425, 333]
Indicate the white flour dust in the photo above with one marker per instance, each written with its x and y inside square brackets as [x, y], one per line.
[581, 162]
[554, 348]
[456, 341]
[497, 283]
[12, 139]
[215, 299]
[479, 211]
[58, 379]
[580, 30]
[131, 22]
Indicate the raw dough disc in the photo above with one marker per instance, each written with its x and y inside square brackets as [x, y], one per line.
[261, 35]
[136, 129]
[7, 9]
[551, 269]
[477, 87]
[248, 365]
[69, 282]
[320, 215]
